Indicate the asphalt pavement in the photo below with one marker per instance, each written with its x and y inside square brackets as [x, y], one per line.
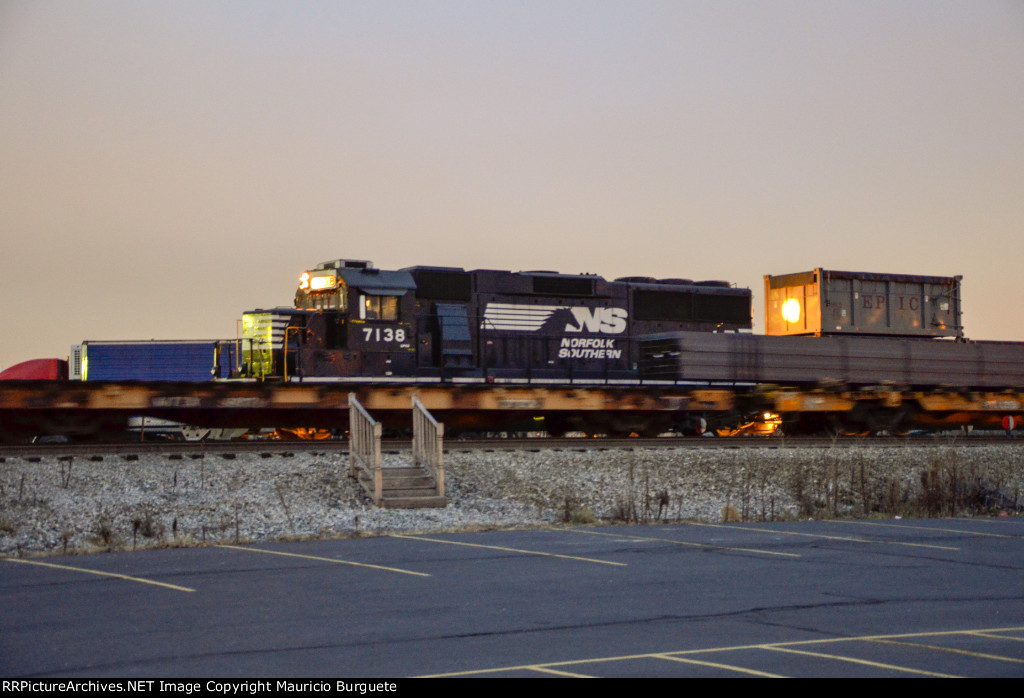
[813, 598]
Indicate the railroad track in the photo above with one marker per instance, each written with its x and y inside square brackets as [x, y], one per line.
[193, 449]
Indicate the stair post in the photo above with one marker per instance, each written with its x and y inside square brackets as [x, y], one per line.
[364, 436]
[428, 443]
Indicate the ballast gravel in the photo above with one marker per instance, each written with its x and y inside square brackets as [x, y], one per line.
[53, 506]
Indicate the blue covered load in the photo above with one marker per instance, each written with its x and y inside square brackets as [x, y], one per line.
[187, 361]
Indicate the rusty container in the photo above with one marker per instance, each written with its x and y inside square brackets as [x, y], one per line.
[824, 302]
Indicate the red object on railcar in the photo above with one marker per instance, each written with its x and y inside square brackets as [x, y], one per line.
[37, 370]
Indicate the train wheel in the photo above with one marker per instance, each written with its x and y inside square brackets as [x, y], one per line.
[907, 421]
[646, 426]
[14, 434]
[897, 421]
[830, 425]
[556, 426]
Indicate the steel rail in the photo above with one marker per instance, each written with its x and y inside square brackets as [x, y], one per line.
[268, 448]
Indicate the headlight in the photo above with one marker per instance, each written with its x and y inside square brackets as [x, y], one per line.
[319, 283]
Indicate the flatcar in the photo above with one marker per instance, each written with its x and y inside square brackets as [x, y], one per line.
[352, 321]
[854, 352]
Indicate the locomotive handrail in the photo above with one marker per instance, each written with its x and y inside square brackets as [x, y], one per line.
[249, 365]
[238, 346]
[239, 343]
[284, 353]
[428, 443]
[364, 448]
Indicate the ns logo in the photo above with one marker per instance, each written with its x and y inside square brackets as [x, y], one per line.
[516, 317]
[603, 320]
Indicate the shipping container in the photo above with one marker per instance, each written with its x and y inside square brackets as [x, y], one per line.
[823, 302]
[185, 361]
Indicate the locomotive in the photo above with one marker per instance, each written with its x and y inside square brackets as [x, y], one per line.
[352, 321]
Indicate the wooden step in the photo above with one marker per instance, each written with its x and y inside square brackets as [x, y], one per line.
[407, 488]
[409, 481]
[408, 491]
[425, 502]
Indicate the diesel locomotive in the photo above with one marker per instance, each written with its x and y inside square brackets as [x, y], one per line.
[352, 321]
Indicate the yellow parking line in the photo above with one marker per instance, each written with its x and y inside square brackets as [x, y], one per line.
[326, 559]
[1000, 520]
[981, 633]
[861, 638]
[924, 528]
[556, 672]
[681, 542]
[125, 577]
[953, 650]
[536, 667]
[716, 665]
[510, 550]
[734, 527]
[780, 646]
[853, 660]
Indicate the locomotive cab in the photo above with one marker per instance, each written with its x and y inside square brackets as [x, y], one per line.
[361, 321]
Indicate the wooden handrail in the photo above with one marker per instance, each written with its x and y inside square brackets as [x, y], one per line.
[364, 447]
[428, 443]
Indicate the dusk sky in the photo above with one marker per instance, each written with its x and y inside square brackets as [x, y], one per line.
[166, 166]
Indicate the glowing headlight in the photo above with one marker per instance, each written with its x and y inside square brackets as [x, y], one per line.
[319, 283]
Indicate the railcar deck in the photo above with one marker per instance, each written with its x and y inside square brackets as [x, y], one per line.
[35, 408]
[99, 409]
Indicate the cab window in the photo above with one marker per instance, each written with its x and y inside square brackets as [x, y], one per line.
[379, 308]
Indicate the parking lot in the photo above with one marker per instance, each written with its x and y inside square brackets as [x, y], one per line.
[814, 598]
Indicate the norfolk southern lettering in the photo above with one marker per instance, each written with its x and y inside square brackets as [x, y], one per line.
[588, 349]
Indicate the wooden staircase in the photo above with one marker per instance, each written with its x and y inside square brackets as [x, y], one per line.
[415, 487]
[407, 488]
